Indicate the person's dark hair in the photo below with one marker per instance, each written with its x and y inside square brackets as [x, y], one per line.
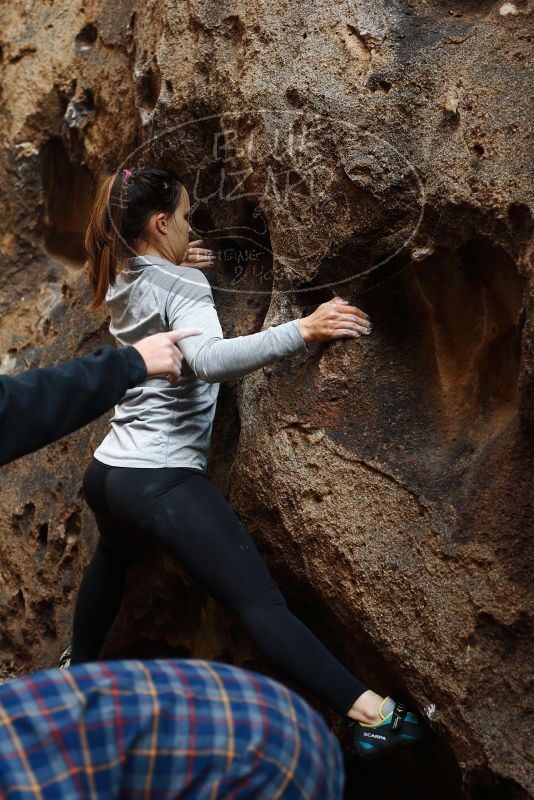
[122, 204]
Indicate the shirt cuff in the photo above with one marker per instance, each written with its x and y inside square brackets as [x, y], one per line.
[303, 347]
[135, 365]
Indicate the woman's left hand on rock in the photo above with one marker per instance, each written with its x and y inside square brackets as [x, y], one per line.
[198, 256]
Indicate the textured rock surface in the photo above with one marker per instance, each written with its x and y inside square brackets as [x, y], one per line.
[387, 480]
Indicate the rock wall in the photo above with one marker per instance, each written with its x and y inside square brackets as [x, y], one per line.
[378, 151]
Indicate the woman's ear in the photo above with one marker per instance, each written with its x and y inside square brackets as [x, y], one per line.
[161, 223]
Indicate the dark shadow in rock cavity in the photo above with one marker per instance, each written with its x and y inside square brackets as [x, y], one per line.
[67, 196]
[481, 786]
[149, 85]
[86, 38]
[437, 379]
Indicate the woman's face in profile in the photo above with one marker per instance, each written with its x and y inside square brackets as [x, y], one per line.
[179, 227]
[167, 235]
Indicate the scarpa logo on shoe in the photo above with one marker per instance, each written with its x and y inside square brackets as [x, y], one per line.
[375, 736]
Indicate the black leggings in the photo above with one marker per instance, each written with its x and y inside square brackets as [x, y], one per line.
[181, 508]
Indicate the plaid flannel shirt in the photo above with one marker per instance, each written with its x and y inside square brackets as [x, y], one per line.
[162, 729]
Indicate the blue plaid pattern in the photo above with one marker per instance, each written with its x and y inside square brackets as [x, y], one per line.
[162, 729]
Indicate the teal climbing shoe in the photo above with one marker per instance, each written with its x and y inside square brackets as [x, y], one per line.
[399, 728]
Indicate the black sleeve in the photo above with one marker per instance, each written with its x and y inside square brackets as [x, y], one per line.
[42, 405]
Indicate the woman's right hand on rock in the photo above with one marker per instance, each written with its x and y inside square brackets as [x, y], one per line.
[161, 355]
[334, 320]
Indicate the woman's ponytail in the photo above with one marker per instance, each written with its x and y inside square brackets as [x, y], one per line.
[104, 244]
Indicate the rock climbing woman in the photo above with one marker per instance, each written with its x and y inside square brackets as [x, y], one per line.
[147, 480]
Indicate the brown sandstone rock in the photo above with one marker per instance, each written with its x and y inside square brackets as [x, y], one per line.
[387, 480]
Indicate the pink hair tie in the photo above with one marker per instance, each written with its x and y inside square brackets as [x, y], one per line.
[127, 174]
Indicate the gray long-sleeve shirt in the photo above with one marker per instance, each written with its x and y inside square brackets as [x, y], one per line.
[157, 424]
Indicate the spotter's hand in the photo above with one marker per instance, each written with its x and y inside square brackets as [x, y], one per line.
[161, 353]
